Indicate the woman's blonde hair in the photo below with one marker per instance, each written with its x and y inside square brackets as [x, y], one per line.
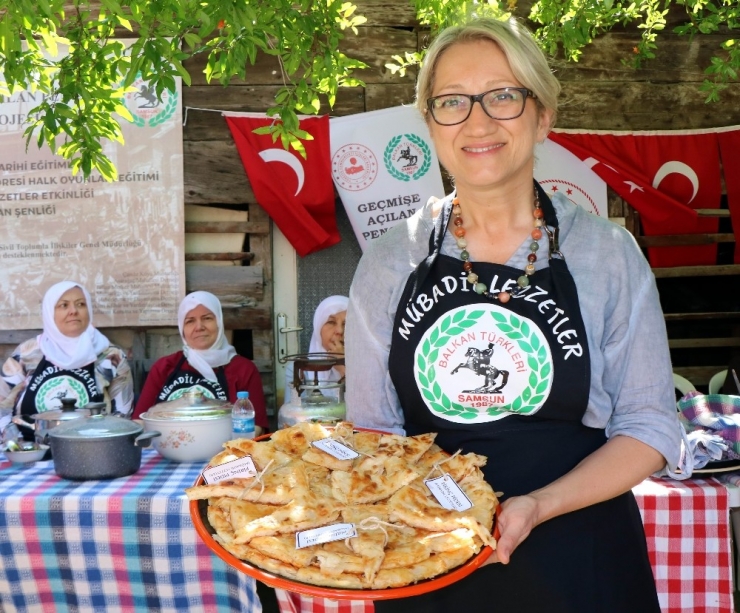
[526, 59]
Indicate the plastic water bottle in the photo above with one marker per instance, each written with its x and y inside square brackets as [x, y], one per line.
[242, 416]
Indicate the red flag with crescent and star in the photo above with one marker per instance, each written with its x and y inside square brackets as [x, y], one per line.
[297, 193]
[665, 176]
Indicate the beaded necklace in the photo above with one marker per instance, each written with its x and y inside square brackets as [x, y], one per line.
[523, 281]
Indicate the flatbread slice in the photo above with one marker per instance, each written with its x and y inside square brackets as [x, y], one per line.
[415, 506]
[262, 454]
[459, 466]
[410, 448]
[303, 513]
[366, 443]
[219, 518]
[322, 458]
[309, 574]
[373, 479]
[278, 486]
[296, 440]
[431, 567]
[282, 547]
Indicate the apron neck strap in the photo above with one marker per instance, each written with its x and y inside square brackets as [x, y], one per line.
[435, 246]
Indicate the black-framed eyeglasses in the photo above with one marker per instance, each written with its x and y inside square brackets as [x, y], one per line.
[500, 103]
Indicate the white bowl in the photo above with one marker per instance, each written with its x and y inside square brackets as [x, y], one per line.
[19, 458]
[189, 435]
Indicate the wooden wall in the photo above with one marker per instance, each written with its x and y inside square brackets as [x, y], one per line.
[598, 93]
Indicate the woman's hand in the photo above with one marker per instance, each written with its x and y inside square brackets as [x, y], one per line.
[515, 519]
[616, 467]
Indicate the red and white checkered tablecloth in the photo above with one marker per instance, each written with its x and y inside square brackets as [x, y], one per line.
[687, 525]
[290, 602]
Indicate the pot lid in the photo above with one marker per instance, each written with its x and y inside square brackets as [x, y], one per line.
[193, 399]
[67, 412]
[187, 413]
[60, 415]
[96, 427]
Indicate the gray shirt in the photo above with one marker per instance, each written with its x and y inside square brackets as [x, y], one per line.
[631, 375]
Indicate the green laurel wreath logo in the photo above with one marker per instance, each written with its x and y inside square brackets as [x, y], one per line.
[168, 110]
[48, 387]
[388, 157]
[516, 330]
[163, 115]
[419, 142]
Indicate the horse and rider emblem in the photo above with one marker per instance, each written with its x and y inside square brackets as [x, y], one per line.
[482, 363]
[407, 157]
[479, 361]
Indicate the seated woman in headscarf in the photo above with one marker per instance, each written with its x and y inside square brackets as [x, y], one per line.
[327, 336]
[207, 362]
[70, 358]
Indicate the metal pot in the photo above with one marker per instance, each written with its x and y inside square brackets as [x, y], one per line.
[46, 421]
[98, 447]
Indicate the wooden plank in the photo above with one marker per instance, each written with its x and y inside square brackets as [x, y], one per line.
[698, 375]
[697, 271]
[691, 343]
[373, 45]
[630, 105]
[376, 46]
[16, 337]
[684, 239]
[677, 59]
[234, 285]
[247, 318]
[701, 316]
[385, 96]
[214, 174]
[6, 351]
[218, 257]
[387, 12]
[210, 125]
[226, 227]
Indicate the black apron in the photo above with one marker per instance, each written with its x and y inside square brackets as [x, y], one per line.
[181, 381]
[49, 383]
[511, 382]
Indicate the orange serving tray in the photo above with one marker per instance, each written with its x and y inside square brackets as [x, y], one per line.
[198, 513]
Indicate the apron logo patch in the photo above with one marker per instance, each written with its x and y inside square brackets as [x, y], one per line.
[482, 363]
[53, 390]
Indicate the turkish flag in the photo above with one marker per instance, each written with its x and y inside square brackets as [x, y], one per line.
[664, 176]
[729, 146]
[297, 193]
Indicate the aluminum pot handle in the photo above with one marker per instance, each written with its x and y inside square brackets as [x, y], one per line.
[144, 439]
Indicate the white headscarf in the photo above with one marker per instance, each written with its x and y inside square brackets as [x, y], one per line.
[327, 307]
[220, 353]
[68, 352]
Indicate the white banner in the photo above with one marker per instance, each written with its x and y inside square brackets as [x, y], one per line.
[384, 168]
[558, 170]
[123, 240]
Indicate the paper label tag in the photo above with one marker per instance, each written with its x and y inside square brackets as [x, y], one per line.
[325, 534]
[448, 493]
[336, 449]
[236, 469]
